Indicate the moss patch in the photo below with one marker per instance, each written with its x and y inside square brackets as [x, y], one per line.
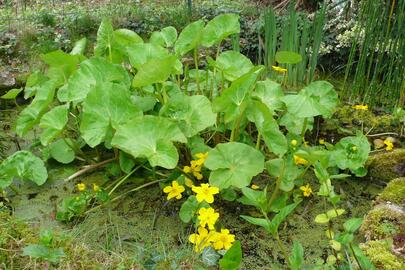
[380, 254]
[394, 192]
[383, 221]
[386, 166]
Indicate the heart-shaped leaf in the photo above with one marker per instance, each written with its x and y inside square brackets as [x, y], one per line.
[155, 71]
[61, 151]
[53, 122]
[233, 64]
[270, 93]
[165, 37]
[318, 98]
[23, 165]
[220, 28]
[106, 107]
[192, 113]
[91, 72]
[152, 138]
[189, 38]
[233, 164]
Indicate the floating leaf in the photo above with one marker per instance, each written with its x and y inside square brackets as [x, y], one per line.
[53, 122]
[233, 164]
[106, 107]
[192, 113]
[220, 28]
[154, 143]
[24, 165]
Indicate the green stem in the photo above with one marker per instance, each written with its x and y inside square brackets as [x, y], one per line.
[259, 138]
[281, 245]
[277, 188]
[197, 78]
[355, 257]
[235, 129]
[123, 179]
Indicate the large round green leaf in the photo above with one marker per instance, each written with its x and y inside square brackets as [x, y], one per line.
[233, 64]
[270, 93]
[189, 38]
[53, 122]
[287, 57]
[125, 38]
[233, 164]
[24, 165]
[165, 37]
[220, 28]
[61, 151]
[192, 113]
[91, 72]
[152, 138]
[318, 98]
[141, 53]
[106, 107]
[149, 73]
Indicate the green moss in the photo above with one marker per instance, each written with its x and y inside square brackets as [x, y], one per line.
[380, 254]
[394, 192]
[383, 221]
[386, 166]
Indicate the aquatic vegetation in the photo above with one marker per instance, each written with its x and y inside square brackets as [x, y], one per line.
[207, 130]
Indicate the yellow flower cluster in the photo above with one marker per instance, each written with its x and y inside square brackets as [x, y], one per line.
[360, 107]
[195, 168]
[389, 146]
[279, 69]
[205, 193]
[83, 187]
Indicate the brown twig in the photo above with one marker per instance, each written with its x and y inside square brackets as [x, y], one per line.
[87, 168]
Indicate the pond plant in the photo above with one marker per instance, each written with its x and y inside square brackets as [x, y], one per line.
[210, 122]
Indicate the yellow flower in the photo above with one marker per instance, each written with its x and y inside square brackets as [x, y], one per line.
[194, 169]
[202, 156]
[279, 69]
[294, 142]
[360, 107]
[201, 239]
[253, 186]
[321, 141]
[223, 239]
[205, 193]
[389, 145]
[174, 191]
[207, 216]
[300, 161]
[96, 188]
[307, 190]
[81, 186]
[354, 148]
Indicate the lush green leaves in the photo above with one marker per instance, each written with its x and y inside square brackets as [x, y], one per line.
[92, 72]
[188, 209]
[53, 122]
[165, 37]
[23, 165]
[154, 143]
[141, 53]
[233, 64]
[220, 28]
[193, 113]
[288, 57]
[233, 164]
[318, 98]
[106, 107]
[232, 258]
[270, 93]
[12, 94]
[149, 73]
[105, 36]
[189, 38]
[61, 151]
